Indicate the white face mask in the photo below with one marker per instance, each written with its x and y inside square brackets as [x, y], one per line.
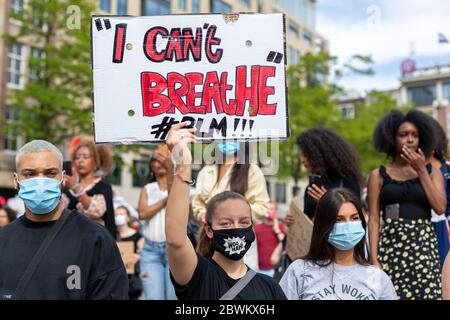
[120, 220]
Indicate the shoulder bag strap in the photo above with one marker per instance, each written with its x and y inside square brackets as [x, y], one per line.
[234, 290]
[26, 277]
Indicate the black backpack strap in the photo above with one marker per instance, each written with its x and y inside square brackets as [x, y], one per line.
[26, 277]
[234, 290]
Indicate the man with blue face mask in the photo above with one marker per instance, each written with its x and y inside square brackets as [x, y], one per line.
[50, 252]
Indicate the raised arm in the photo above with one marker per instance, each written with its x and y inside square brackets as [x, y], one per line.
[147, 212]
[374, 215]
[198, 205]
[180, 252]
[432, 184]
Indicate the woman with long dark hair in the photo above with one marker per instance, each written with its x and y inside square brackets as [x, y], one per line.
[330, 161]
[335, 267]
[234, 172]
[404, 192]
[229, 230]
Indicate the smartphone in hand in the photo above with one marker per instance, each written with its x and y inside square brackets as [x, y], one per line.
[392, 211]
[315, 179]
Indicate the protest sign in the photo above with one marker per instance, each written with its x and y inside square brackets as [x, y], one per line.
[222, 73]
[126, 249]
[299, 233]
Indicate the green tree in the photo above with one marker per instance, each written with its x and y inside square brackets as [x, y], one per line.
[306, 92]
[55, 102]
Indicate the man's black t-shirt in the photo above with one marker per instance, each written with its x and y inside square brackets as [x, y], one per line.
[211, 282]
[83, 261]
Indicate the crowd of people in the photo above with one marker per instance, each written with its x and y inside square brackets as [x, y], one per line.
[221, 237]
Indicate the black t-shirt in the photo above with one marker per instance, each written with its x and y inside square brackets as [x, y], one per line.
[211, 282]
[82, 250]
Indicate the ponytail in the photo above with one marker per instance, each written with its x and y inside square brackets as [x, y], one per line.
[204, 245]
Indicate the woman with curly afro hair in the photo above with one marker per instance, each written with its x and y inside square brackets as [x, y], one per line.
[330, 161]
[404, 192]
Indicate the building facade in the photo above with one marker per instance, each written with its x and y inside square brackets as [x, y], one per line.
[428, 89]
[127, 178]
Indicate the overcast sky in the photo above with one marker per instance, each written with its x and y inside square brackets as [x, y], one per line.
[385, 29]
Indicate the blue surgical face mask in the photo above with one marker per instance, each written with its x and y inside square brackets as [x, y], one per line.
[40, 195]
[346, 235]
[228, 148]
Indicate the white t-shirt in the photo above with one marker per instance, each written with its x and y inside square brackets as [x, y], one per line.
[154, 228]
[309, 281]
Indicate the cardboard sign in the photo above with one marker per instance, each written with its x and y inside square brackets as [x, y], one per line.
[299, 233]
[223, 74]
[126, 249]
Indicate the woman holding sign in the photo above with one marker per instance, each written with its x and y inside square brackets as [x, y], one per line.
[231, 175]
[335, 267]
[229, 230]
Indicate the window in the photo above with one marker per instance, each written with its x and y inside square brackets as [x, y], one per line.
[219, 6]
[423, 95]
[17, 6]
[10, 137]
[115, 176]
[348, 111]
[15, 52]
[182, 4]
[305, 10]
[293, 30]
[307, 37]
[446, 89]
[293, 56]
[122, 6]
[259, 6]
[38, 18]
[280, 192]
[36, 64]
[195, 6]
[245, 3]
[140, 172]
[105, 5]
[156, 7]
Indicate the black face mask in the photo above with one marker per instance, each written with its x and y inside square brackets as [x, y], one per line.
[233, 243]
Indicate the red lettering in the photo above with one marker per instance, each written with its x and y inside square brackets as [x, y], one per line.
[175, 94]
[191, 46]
[244, 93]
[211, 92]
[194, 78]
[265, 91]
[229, 108]
[174, 46]
[211, 41]
[152, 85]
[150, 44]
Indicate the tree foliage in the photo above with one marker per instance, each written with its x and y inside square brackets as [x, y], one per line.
[55, 103]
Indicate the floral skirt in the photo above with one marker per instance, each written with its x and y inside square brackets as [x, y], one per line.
[408, 254]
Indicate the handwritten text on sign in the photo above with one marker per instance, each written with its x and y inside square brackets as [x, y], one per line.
[226, 78]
